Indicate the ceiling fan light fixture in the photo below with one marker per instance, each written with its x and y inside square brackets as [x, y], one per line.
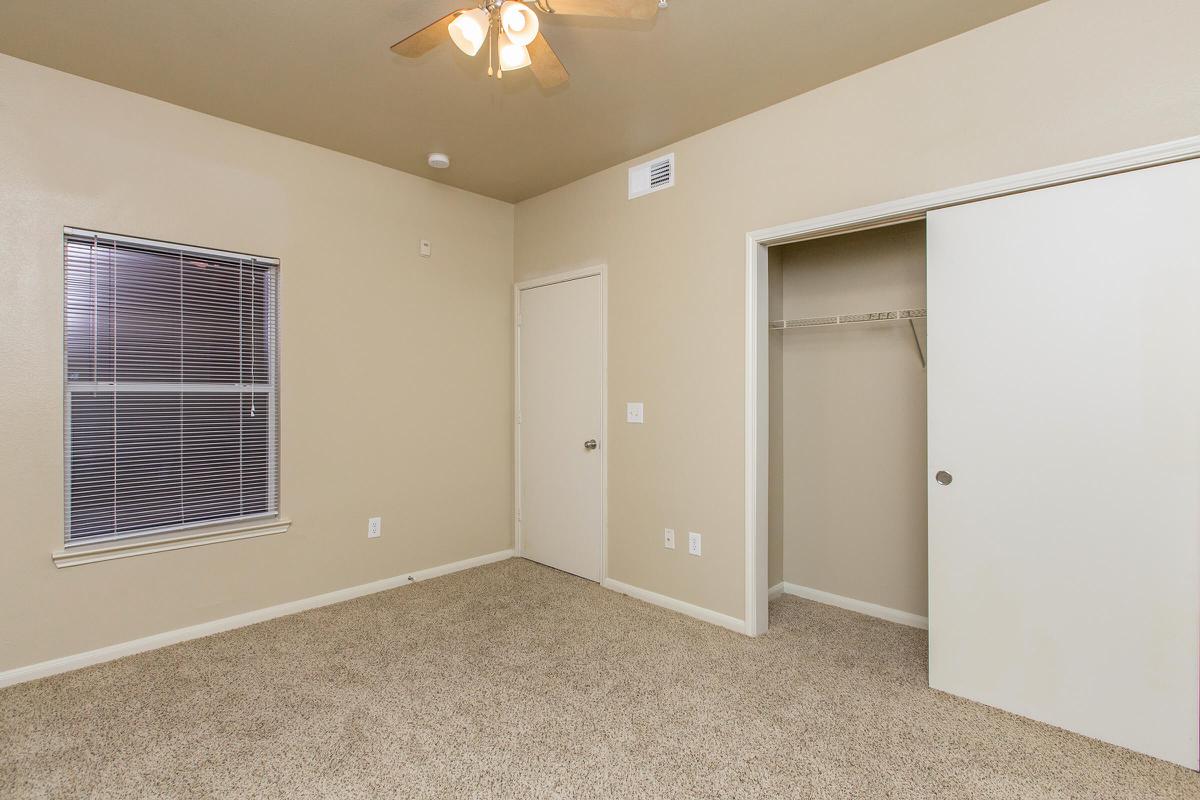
[512, 55]
[519, 22]
[469, 30]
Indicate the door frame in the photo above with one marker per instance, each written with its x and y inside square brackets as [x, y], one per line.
[875, 216]
[600, 271]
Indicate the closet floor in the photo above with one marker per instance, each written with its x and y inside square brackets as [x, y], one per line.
[514, 680]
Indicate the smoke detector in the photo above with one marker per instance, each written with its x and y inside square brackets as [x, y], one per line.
[439, 160]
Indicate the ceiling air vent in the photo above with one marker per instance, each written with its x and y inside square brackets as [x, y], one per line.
[652, 176]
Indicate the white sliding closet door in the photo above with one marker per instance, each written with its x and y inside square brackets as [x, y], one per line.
[1064, 401]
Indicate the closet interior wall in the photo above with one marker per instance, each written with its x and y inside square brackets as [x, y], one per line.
[848, 452]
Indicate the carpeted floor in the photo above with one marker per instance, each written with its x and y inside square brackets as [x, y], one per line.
[514, 680]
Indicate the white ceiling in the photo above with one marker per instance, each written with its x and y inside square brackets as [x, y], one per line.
[321, 71]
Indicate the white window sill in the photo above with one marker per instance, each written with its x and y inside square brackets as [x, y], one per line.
[107, 551]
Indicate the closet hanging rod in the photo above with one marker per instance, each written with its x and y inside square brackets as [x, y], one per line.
[843, 319]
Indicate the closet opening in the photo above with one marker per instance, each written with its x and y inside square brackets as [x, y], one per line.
[847, 447]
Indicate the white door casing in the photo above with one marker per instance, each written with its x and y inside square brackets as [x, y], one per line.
[560, 396]
[1064, 400]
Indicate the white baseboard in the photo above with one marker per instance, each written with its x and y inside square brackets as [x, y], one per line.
[850, 604]
[699, 612]
[68, 663]
[776, 591]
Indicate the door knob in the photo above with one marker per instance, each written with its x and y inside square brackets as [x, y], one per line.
[943, 477]
[590, 444]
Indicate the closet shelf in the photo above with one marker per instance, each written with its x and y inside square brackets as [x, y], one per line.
[843, 319]
[906, 314]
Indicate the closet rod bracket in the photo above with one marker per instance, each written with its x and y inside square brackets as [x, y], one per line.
[917, 340]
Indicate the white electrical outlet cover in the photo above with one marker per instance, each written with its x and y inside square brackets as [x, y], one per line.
[374, 527]
[634, 413]
[669, 538]
[693, 543]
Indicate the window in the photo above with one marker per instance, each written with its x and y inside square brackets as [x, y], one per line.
[171, 387]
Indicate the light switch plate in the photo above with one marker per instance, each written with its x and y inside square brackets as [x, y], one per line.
[634, 413]
[693, 543]
[374, 527]
[669, 538]
[426, 248]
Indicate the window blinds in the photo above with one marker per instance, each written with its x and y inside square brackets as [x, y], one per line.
[171, 386]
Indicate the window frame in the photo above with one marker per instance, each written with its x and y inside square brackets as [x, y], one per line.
[118, 545]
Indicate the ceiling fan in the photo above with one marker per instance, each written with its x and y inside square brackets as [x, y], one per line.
[510, 28]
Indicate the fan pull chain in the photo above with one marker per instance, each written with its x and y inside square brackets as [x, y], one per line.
[491, 37]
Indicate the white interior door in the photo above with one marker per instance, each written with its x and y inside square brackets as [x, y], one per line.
[1064, 400]
[561, 405]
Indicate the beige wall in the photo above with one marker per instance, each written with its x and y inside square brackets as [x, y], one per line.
[396, 370]
[848, 441]
[1063, 81]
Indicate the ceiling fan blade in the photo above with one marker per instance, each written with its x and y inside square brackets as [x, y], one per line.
[624, 9]
[424, 40]
[546, 67]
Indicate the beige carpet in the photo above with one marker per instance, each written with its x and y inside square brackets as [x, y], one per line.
[514, 680]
